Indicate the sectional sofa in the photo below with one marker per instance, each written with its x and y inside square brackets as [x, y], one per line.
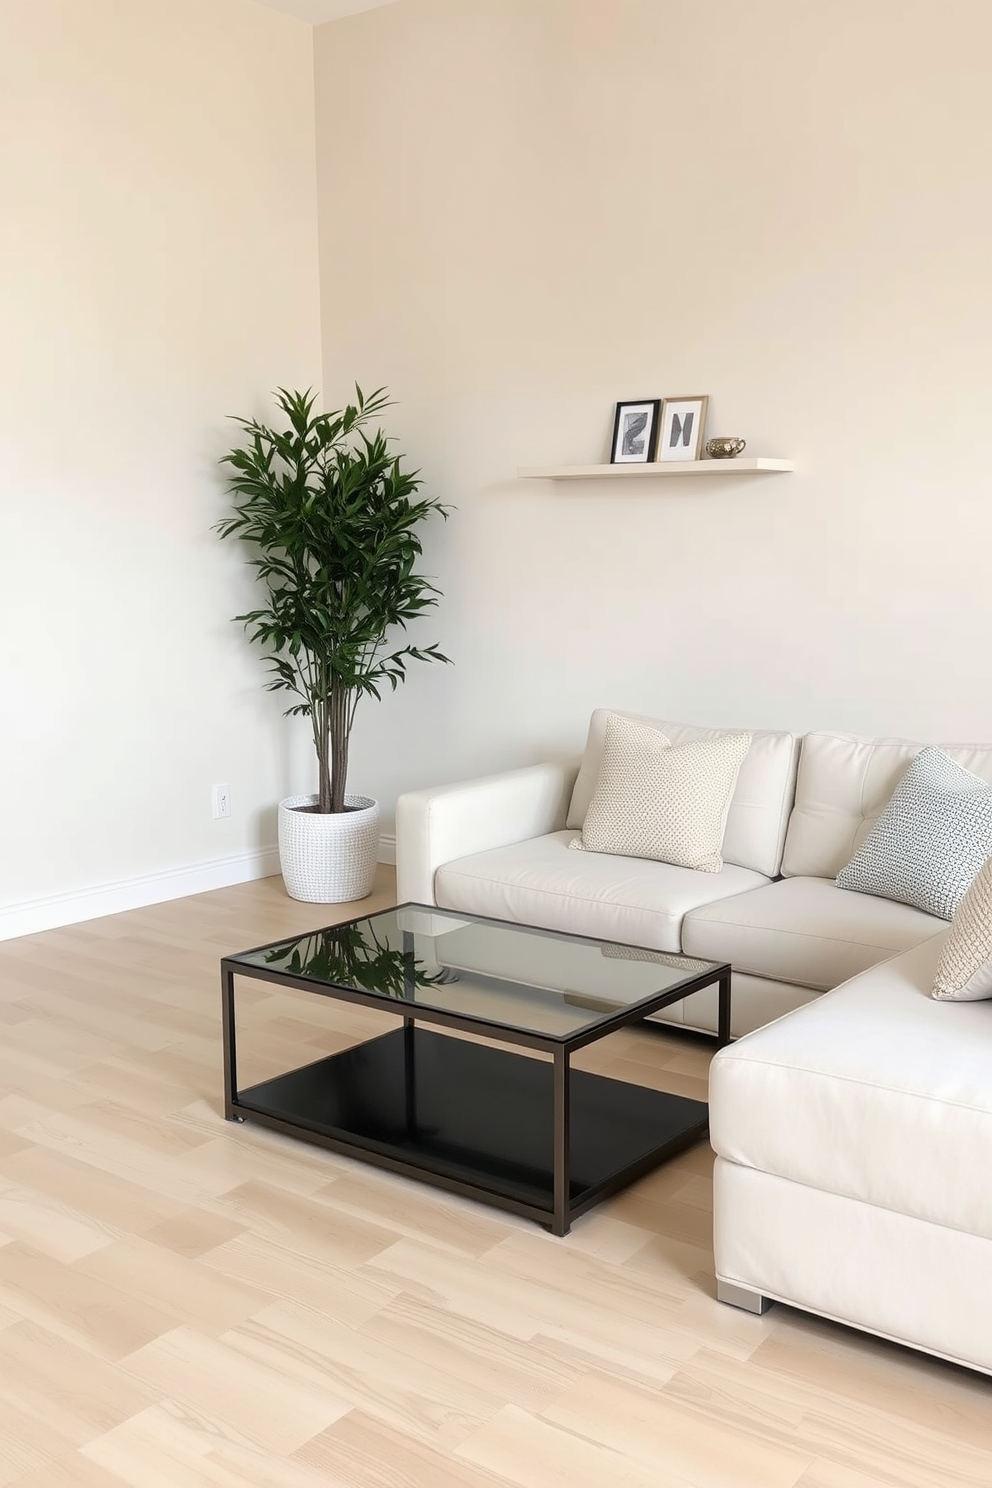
[500, 846]
[850, 1162]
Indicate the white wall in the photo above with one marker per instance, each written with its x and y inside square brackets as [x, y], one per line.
[528, 209]
[556, 205]
[157, 273]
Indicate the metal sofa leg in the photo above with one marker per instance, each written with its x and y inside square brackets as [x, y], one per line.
[738, 1296]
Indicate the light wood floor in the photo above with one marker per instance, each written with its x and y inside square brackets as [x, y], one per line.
[186, 1302]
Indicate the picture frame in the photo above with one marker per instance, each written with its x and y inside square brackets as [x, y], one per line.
[682, 424]
[635, 432]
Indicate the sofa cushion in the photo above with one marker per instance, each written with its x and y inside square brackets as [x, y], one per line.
[762, 799]
[931, 839]
[612, 898]
[844, 784]
[874, 1092]
[964, 971]
[654, 799]
[804, 930]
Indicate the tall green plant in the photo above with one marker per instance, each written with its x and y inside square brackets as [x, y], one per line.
[332, 519]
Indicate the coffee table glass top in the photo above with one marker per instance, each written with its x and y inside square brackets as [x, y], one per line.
[513, 976]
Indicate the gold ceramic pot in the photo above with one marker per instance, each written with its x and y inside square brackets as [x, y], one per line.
[724, 449]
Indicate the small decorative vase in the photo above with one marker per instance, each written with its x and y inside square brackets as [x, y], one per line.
[328, 859]
[725, 449]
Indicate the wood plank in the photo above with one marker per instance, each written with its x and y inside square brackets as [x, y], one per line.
[188, 1301]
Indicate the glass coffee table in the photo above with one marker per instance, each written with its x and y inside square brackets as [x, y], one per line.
[473, 1114]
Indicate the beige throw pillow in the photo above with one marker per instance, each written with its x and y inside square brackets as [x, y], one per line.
[964, 971]
[657, 800]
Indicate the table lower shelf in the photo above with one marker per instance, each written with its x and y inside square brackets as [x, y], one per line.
[475, 1119]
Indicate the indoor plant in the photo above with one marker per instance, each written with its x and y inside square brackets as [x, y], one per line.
[332, 519]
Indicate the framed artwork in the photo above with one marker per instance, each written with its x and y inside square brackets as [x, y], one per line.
[635, 432]
[682, 424]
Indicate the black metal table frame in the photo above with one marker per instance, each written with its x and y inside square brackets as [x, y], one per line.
[564, 1208]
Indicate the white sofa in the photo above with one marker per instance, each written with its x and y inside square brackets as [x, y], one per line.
[851, 1169]
[499, 846]
[850, 1133]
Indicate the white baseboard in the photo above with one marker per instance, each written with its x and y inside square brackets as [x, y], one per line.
[387, 847]
[34, 915]
[50, 913]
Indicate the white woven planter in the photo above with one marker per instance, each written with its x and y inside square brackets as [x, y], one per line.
[328, 859]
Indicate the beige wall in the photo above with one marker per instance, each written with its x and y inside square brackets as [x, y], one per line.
[528, 209]
[553, 204]
[157, 273]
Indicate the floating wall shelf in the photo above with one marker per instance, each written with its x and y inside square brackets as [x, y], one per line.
[751, 465]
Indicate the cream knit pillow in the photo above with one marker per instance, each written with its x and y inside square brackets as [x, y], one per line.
[657, 800]
[964, 971]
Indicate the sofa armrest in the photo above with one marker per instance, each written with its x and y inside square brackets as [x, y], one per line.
[452, 821]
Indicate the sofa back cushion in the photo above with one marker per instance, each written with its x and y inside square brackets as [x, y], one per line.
[759, 807]
[845, 782]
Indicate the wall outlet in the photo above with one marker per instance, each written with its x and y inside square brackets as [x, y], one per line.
[221, 797]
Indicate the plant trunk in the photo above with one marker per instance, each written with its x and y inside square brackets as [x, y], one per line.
[340, 732]
[322, 740]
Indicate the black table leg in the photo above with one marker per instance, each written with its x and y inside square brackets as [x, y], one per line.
[230, 1049]
[723, 1024]
[562, 1143]
[410, 1074]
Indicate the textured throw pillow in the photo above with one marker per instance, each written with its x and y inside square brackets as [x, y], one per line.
[964, 971]
[931, 839]
[657, 800]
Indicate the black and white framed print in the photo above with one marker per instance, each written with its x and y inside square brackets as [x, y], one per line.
[682, 423]
[635, 430]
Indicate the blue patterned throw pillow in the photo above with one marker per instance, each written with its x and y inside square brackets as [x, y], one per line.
[930, 841]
